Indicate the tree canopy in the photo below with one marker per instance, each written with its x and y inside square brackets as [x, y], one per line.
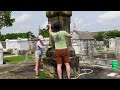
[44, 32]
[5, 19]
[17, 35]
[107, 35]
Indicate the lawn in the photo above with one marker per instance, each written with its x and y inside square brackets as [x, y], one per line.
[20, 58]
[17, 59]
[44, 75]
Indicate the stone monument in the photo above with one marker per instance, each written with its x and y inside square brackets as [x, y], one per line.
[62, 17]
[117, 48]
[1, 53]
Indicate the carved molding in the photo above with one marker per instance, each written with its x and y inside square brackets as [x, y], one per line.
[51, 14]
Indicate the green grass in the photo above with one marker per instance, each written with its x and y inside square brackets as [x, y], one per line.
[7, 54]
[44, 75]
[17, 59]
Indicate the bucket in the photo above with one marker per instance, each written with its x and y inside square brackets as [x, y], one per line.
[115, 65]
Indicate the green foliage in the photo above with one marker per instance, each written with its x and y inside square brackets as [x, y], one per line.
[17, 59]
[16, 35]
[112, 34]
[107, 35]
[28, 34]
[5, 19]
[99, 36]
[43, 75]
[44, 32]
[2, 37]
[14, 59]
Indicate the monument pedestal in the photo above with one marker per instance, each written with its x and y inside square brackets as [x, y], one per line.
[1, 56]
[62, 17]
[1, 53]
[50, 61]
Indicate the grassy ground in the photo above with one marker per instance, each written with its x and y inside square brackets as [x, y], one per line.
[17, 59]
[6, 54]
[44, 75]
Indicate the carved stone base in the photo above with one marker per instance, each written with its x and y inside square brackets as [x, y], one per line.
[50, 70]
[51, 67]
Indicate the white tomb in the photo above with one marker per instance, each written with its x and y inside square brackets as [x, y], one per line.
[1, 53]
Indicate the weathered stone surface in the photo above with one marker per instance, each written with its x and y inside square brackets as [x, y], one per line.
[1, 56]
[62, 17]
[98, 73]
[50, 70]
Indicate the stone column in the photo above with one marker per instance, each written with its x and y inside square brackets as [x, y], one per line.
[117, 48]
[1, 54]
[64, 18]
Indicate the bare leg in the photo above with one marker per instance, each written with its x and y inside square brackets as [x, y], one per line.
[68, 69]
[59, 70]
[37, 67]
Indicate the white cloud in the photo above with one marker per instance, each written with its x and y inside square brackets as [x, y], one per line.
[86, 25]
[79, 24]
[109, 16]
[22, 18]
[22, 29]
[77, 21]
[44, 25]
[26, 21]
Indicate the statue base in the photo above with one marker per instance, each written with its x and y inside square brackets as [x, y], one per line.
[50, 61]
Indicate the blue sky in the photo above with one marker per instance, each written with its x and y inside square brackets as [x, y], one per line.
[84, 20]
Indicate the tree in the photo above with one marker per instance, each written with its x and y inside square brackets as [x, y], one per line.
[28, 34]
[5, 19]
[2, 38]
[44, 32]
[99, 36]
[16, 36]
[107, 35]
[112, 34]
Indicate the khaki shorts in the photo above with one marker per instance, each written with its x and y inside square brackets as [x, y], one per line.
[62, 54]
[38, 54]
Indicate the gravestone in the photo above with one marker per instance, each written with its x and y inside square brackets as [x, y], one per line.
[117, 48]
[1, 53]
[62, 17]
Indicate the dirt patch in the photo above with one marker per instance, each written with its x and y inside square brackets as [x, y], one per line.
[23, 70]
[9, 75]
[26, 71]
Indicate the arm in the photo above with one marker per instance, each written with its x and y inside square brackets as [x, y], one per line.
[68, 35]
[41, 46]
[49, 28]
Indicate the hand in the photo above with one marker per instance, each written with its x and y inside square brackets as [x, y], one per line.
[49, 25]
[50, 46]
